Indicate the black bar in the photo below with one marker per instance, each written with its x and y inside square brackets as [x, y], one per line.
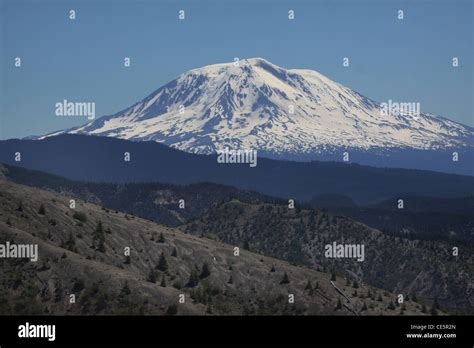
[224, 330]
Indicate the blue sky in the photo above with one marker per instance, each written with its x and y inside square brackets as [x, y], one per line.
[82, 60]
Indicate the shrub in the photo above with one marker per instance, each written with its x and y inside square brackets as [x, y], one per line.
[172, 310]
[80, 216]
[41, 210]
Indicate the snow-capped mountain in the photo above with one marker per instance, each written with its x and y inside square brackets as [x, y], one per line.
[257, 105]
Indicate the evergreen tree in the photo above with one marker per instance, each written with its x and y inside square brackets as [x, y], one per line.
[285, 279]
[364, 307]
[163, 282]
[423, 308]
[162, 263]
[205, 272]
[273, 269]
[174, 253]
[20, 206]
[333, 277]
[42, 210]
[161, 238]
[70, 243]
[231, 281]
[391, 306]
[246, 245]
[100, 237]
[127, 260]
[193, 279]
[308, 286]
[99, 230]
[339, 304]
[355, 285]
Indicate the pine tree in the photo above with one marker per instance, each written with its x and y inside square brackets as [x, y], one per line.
[285, 279]
[379, 298]
[246, 245]
[273, 269]
[231, 281]
[205, 272]
[162, 263]
[163, 282]
[193, 279]
[161, 238]
[100, 237]
[364, 307]
[20, 206]
[174, 253]
[391, 306]
[308, 286]
[333, 277]
[355, 285]
[42, 210]
[70, 243]
[99, 230]
[423, 308]
[339, 304]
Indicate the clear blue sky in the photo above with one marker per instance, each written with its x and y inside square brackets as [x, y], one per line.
[82, 60]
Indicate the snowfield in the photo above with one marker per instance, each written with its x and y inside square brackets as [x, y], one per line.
[258, 105]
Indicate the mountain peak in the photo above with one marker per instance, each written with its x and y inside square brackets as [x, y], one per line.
[255, 104]
[239, 66]
[258, 61]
